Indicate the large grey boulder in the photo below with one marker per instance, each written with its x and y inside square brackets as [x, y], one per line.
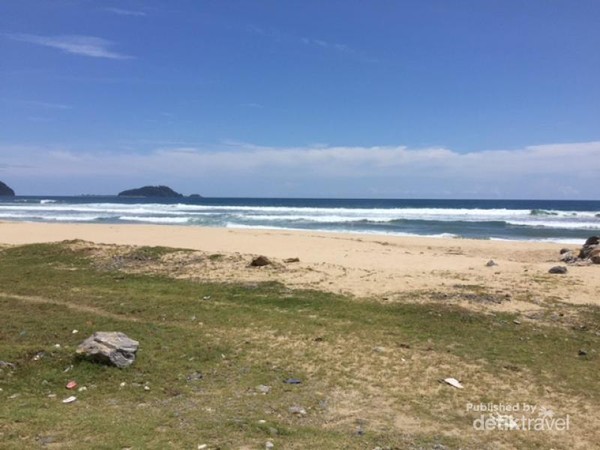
[110, 347]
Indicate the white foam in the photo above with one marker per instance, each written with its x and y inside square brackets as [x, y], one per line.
[147, 219]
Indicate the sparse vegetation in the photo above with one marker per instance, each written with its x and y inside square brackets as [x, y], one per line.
[370, 371]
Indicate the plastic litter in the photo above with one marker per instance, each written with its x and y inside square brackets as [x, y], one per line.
[453, 382]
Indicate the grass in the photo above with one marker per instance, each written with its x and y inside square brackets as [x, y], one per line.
[370, 371]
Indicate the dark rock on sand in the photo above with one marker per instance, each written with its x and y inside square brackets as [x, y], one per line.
[558, 270]
[589, 246]
[260, 261]
[589, 252]
[595, 256]
[291, 260]
[491, 263]
[110, 347]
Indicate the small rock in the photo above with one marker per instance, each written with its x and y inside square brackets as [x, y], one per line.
[46, 440]
[146, 388]
[7, 365]
[291, 260]
[568, 257]
[202, 446]
[74, 331]
[260, 261]
[379, 349]
[297, 410]
[558, 270]
[491, 263]
[582, 353]
[564, 250]
[293, 381]
[263, 389]
[194, 376]
[517, 322]
[269, 445]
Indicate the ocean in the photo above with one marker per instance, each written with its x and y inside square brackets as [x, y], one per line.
[521, 220]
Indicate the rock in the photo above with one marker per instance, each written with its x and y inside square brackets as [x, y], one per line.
[5, 191]
[564, 250]
[582, 353]
[150, 191]
[195, 196]
[194, 376]
[291, 260]
[263, 389]
[589, 246]
[491, 263]
[568, 257]
[297, 410]
[110, 347]
[292, 381]
[269, 445]
[7, 365]
[595, 256]
[558, 269]
[260, 261]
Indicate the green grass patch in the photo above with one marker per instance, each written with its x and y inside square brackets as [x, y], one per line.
[205, 347]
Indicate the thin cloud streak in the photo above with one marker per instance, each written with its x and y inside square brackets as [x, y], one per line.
[281, 37]
[126, 12]
[91, 46]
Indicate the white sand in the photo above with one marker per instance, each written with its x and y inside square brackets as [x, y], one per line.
[363, 265]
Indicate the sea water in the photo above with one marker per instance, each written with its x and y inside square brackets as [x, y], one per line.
[532, 220]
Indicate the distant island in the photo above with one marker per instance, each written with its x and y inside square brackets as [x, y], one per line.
[150, 191]
[5, 191]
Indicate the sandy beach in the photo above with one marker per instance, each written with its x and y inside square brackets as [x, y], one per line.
[384, 267]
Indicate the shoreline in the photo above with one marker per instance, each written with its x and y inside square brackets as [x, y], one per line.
[376, 266]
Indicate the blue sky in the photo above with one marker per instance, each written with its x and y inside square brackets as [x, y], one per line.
[423, 98]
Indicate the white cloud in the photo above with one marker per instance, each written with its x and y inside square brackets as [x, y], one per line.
[125, 12]
[546, 171]
[91, 46]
